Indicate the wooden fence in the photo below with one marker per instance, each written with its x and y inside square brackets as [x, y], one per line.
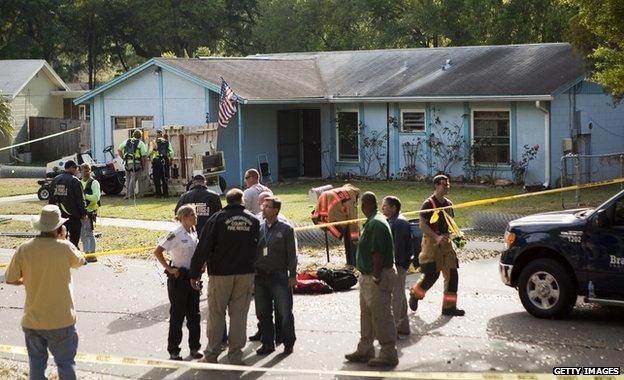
[59, 146]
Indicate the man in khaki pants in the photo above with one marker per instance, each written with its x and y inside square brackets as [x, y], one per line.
[375, 261]
[227, 246]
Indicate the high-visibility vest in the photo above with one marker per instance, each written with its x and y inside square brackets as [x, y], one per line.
[336, 205]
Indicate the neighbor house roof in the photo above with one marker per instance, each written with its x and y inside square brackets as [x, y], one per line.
[16, 73]
[532, 71]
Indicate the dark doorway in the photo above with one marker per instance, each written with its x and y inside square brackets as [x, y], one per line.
[299, 143]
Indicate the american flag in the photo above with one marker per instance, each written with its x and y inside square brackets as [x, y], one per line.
[227, 104]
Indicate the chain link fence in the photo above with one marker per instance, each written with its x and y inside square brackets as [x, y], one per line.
[577, 169]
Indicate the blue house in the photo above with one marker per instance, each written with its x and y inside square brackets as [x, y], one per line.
[383, 113]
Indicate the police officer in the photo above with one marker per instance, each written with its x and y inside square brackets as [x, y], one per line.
[67, 194]
[437, 254]
[180, 244]
[206, 202]
[227, 246]
[134, 153]
[161, 153]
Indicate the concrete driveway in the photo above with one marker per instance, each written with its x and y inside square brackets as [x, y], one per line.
[122, 309]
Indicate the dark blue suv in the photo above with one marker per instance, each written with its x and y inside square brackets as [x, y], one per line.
[551, 258]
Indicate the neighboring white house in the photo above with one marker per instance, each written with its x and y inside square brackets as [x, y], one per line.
[311, 113]
[34, 89]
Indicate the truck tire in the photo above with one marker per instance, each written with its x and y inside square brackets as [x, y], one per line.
[546, 289]
[43, 194]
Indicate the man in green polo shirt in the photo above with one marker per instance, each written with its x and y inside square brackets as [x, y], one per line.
[375, 260]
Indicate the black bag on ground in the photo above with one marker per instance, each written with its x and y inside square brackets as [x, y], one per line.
[338, 279]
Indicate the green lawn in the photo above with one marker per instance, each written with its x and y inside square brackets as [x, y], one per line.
[18, 186]
[297, 207]
[112, 237]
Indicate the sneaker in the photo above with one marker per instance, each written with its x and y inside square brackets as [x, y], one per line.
[358, 357]
[413, 303]
[453, 312]
[288, 349]
[383, 362]
[255, 337]
[175, 357]
[264, 350]
[196, 355]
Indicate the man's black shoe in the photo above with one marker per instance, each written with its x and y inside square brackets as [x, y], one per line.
[264, 350]
[413, 303]
[453, 312]
[255, 337]
[288, 349]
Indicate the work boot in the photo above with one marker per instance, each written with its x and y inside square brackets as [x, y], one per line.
[212, 358]
[358, 357]
[413, 303]
[91, 259]
[196, 355]
[383, 362]
[453, 312]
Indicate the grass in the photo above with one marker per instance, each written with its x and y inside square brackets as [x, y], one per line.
[297, 207]
[18, 186]
[112, 237]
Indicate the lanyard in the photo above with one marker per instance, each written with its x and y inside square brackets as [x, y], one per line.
[267, 237]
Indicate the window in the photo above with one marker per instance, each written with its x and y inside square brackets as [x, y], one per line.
[347, 128]
[130, 122]
[412, 121]
[491, 138]
[83, 112]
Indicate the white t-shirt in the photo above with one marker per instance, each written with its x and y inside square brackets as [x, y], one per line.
[181, 246]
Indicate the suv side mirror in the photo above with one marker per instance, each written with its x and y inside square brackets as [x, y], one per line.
[601, 219]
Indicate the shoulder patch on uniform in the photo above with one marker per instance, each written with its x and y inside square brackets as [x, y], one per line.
[171, 235]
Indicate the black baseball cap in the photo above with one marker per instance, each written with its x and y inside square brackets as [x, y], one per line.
[70, 164]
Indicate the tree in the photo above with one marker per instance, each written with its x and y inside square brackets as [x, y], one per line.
[6, 118]
[597, 31]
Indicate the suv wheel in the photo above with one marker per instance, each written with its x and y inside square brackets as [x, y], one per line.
[546, 289]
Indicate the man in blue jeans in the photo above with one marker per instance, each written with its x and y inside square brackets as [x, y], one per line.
[43, 265]
[276, 271]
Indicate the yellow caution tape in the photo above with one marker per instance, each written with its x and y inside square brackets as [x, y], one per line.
[172, 364]
[479, 202]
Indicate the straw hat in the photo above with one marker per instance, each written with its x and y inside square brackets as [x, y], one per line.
[49, 219]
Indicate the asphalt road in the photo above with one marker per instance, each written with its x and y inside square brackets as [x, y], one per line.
[122, 309]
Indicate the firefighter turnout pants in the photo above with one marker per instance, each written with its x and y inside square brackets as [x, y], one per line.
[435, 259]
[160, 171]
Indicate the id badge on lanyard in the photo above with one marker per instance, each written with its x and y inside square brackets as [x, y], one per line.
[267, 238]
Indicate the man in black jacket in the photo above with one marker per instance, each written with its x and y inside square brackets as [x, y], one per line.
[67, 194]
[206, 202]
[227, 246]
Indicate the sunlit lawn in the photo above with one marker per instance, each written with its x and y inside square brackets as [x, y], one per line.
[297, 207]
[18, 186]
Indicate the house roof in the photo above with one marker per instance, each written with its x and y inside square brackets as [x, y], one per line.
[532, 71]
[16, 73]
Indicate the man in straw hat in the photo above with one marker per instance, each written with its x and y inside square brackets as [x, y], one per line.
[42, 265]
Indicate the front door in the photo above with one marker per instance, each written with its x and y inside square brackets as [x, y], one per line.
[288, 143]
[604, 247]
[299, 143]
[311, 127]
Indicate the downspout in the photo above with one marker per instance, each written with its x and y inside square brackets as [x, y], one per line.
[387, 141]
[540, 106]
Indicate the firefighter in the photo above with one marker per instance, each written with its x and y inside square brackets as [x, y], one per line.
[134, 152]
[206, 201]
[68, 195]
[161, 154]
[437, 254]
